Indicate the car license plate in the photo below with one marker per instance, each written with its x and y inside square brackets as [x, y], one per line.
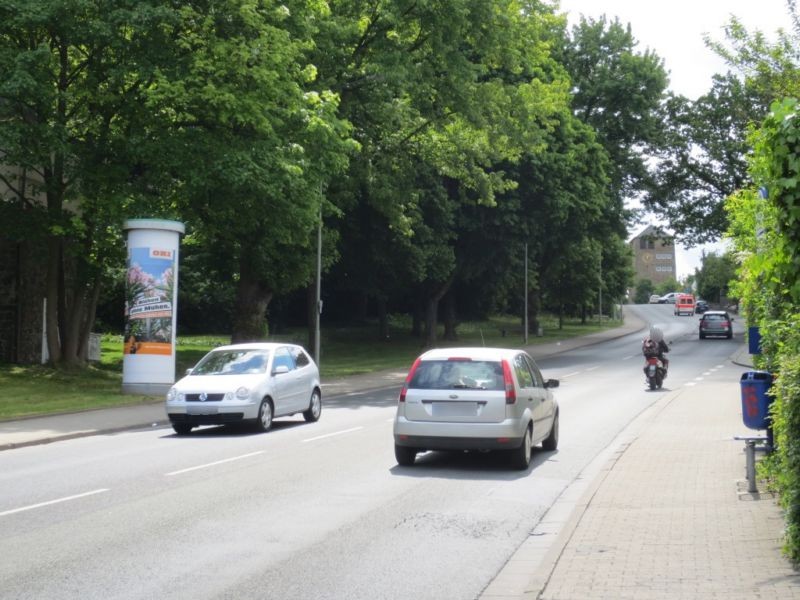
[201, 410]
[454, 409]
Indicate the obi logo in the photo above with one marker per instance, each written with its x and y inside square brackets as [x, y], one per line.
[162, 254]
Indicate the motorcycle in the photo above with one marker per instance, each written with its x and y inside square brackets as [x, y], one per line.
[654, 371]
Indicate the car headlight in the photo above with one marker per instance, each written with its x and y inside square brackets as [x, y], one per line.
[243, 393]
[171, 394]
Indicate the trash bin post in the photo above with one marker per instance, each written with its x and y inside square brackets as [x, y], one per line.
[750, 451]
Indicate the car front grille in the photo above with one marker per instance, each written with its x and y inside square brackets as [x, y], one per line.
[208, 397]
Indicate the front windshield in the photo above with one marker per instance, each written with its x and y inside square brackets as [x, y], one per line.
[233, 362]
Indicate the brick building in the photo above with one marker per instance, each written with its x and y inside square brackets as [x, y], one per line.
[653, 255]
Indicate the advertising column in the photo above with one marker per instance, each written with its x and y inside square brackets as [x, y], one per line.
[151, 297]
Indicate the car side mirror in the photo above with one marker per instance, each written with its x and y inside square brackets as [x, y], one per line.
[280, 370]
[551, 383]
[189, 371]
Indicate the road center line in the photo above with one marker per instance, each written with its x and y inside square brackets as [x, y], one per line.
[327, 435]
[569, 374]
[212, 464]
[49, 502]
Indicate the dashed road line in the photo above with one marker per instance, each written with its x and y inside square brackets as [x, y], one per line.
[327, 435]
[50, 502]
[212, 464]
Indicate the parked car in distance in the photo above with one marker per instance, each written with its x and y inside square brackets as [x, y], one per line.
[475, 399]
[700, 307]
[684, 305]
[668, 298]
[246, 383]
[655, 299]
[716, 323]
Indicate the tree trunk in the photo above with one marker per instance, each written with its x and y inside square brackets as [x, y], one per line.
[432, 311]
[51, 310]
[88, 322]
[250, 308]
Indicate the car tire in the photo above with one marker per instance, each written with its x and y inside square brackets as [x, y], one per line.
[702, 336]
[265, 414]
[521, 457]
[550, 443]
[182, 428]
[405, 456]
[730, 335]
[314, 407]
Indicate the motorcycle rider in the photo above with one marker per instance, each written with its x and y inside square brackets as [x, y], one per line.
[654, 345]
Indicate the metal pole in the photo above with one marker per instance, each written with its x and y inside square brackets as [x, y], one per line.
[750, 450]
[525, 335]
[318, 312]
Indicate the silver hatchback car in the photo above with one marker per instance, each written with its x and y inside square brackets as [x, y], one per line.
[246, 383]
[475, 399]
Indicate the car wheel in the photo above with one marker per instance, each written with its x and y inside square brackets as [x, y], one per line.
[405, 456]
[521, 457]
[265, 412]
[314, 407]
[702, 336]
[730, 335]
[550, 443]
[182, 428]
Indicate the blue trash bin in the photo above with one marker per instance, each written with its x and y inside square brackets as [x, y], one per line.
[755, 399]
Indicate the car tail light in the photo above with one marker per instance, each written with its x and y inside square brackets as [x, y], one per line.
[404, 389]
[508, 383]
[726, 324]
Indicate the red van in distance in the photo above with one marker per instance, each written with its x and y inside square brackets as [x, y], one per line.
[684, 305]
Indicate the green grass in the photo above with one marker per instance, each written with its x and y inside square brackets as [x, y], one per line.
[38, 390]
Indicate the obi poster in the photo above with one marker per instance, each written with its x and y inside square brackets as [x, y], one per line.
[149, 301]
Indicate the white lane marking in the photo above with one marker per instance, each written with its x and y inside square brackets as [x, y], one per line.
[698, 379]
[212, 464]
[690, 383]
[327, 435]
[570, 374]
[630, 357]
[592, 368]
[49, 502]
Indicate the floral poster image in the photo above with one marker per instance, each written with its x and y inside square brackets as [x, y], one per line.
[149, 297]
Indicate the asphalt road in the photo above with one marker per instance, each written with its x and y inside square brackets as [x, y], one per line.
[311, 510]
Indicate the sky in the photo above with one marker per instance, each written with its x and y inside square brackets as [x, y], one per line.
[675, 30]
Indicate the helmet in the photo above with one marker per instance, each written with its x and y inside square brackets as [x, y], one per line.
[655, 334]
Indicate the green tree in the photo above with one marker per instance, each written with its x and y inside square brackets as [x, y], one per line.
[644, 289]
[714, 276]
[71, 112]
[252, 144]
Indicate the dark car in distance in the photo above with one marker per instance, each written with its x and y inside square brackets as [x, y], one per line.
[700, 307]
[716, 323]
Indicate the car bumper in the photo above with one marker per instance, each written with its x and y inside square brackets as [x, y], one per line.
[459, 436]
[207, 413]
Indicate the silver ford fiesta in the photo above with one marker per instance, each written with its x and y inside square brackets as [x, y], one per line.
[475, 399]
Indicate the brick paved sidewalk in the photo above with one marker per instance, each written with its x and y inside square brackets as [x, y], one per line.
[669, 516]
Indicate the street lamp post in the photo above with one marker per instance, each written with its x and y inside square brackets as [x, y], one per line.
[318, 304]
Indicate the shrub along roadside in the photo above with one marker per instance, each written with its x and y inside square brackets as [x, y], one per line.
[39, 390]
[765, 229]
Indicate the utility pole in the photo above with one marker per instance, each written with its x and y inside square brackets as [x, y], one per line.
[525, 321]
[318, 305]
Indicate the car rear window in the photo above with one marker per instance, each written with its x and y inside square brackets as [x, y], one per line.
[458, 374]
[715, 318]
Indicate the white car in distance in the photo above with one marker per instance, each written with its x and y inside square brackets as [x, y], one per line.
[246, 383]
[475, 399]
